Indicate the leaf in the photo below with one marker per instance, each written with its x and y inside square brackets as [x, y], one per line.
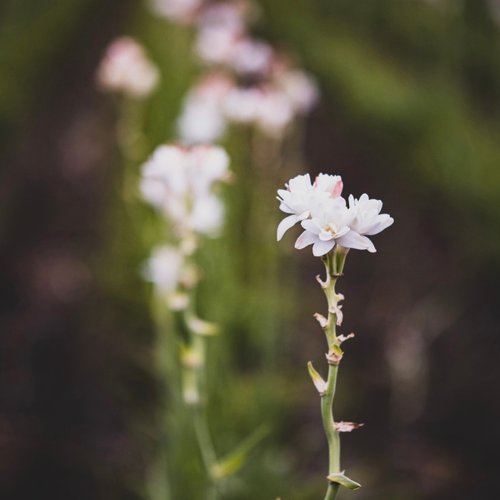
[343, 480]
[236, 459]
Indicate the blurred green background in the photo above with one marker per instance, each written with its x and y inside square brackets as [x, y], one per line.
[409, 113]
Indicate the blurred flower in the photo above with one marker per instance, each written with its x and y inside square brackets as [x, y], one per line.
[216, 45]
[181, 11]
[251, 56]
[228, 47]
[126, 68]
[274, 113]
[231, 16]
[164, 268]
[300, 88]
[202, 119]
[242, 104]
[180, 183]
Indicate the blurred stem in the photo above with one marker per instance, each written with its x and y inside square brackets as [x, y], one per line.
[194, 382]
[204, 441]
[334, 265]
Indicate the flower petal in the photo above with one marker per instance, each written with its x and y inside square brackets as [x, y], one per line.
[322, 247]
[383, 222]
[311, 225]
[354, 240]
[285, 225]
[306, 238]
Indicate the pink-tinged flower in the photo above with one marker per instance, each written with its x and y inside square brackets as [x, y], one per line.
[301, 196]
[126, 68]
[329, 183]
[366, 218]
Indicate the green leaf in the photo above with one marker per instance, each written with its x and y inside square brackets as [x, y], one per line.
[343, 480]
[236, 459]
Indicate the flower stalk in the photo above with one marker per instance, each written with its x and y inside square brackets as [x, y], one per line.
[334, 265]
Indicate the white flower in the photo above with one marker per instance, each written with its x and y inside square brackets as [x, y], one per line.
[327, 183]
[207, 165]
[327, 226]
[224, 15]
[251, 56]
[300, 88]
[207, 215]
[301, 195]
[164, 268]
[274, 113]
[181, 11]
[180, 183]
[125, 68]
[332, 223]
[242, 104]
[216, 45]
[202, 119]
[366, 217]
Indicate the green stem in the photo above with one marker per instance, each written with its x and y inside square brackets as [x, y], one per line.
[195, 393]
[334, 264]
[332, 491]
[204, 441]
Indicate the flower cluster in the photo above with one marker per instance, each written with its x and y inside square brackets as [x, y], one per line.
[126, 68]
[180, 182]
[327, 219]
[247, 81]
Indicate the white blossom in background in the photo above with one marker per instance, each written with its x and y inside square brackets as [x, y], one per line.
[242, 104]
[300, 88]
[274, 93]
[202, 119]
[216, 45]
[231, 16]
[251, 57]
[181, 11]
[126, 68]
[164, 268]
[325, 217]
[180, 182]
[274, 113]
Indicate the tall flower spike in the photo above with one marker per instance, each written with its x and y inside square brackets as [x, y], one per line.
[332, 228]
